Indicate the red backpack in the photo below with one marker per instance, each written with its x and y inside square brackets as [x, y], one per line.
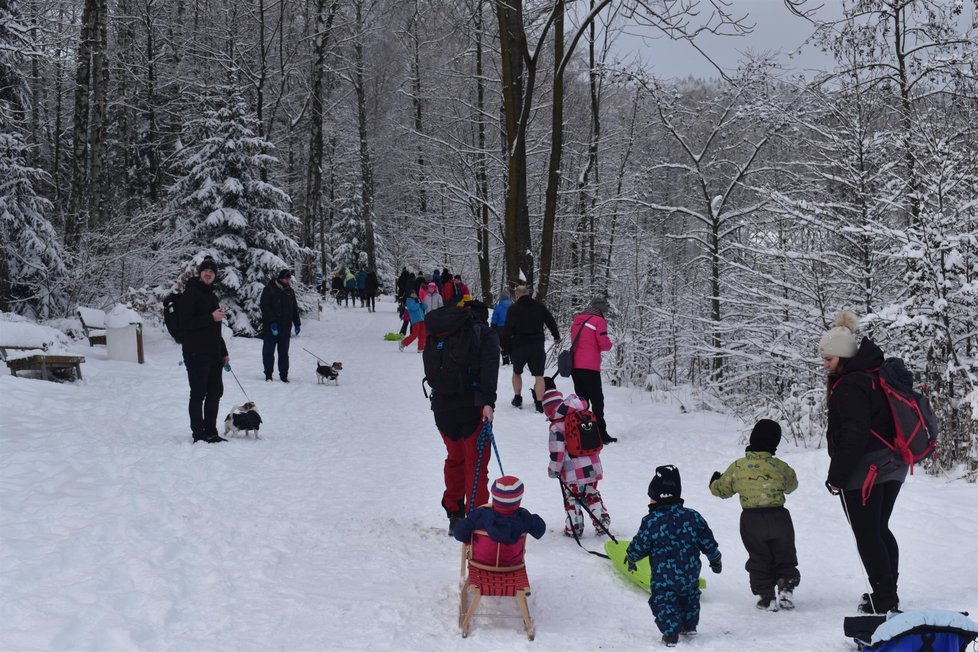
[581, 434]
[914, 421]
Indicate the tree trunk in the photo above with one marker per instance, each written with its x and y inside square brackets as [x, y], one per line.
[366, 175]
[482, 174]
[556, 149]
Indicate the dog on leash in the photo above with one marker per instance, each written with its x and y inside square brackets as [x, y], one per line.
[242, 420]
[328, 372]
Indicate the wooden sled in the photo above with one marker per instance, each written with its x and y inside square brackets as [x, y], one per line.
[483, 574]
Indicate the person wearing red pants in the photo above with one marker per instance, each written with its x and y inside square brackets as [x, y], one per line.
[463, 402]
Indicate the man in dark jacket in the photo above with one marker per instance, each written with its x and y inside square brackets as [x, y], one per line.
[204, 351]
[459, 416]
[279, 313]
[523, 339]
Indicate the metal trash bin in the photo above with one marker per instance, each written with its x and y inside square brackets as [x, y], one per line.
[124, 334]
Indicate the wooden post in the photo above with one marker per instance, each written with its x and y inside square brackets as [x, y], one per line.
[139, 343]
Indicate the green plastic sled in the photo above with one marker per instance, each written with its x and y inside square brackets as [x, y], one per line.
[643, 575]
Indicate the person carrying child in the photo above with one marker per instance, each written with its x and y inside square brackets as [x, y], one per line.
[580, 474]
[766, 529]
[504, 521]
[672, 537]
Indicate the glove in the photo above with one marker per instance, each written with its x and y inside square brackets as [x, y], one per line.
[631, 565]
[716, 566]
[551, 473]
[274, 330]
[832, 490]
[714, 477]
[227, 367]
[297, 329]
[549, 383]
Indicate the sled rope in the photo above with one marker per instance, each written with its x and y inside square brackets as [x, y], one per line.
[564, 492]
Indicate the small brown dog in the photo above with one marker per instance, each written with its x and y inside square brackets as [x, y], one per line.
[331, 372]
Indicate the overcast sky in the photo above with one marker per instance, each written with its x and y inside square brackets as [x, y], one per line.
[776, 30]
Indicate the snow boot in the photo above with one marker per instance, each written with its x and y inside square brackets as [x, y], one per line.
[767, 603]
[670, 640]
[786, 598]
[210, 439]
[517, 401]
[268, 378]
[688, 630]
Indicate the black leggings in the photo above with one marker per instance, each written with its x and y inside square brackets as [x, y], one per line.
[877, 546]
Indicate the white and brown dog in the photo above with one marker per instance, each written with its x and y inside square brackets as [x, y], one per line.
[242, 420]
[329, 372]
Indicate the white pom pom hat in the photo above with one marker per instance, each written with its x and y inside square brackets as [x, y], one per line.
[840, 341]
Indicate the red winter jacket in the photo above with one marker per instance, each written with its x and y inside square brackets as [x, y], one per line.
[594, 340]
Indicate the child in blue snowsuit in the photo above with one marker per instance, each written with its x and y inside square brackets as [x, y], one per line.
[672, 537]
[505, 521]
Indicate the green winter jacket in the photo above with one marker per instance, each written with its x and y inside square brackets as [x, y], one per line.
[761, 479]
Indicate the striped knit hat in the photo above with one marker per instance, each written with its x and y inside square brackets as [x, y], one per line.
[507, 492]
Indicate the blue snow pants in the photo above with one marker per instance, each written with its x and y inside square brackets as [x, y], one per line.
[676, 608]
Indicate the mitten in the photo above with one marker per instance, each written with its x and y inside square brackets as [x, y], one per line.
[297, 329]
[832, 490]
[714, 477]
[551, 473]
[631, 565]
[715, 565]
[227, 367]
[274, 330]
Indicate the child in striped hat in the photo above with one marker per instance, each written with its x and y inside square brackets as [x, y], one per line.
[504, 520]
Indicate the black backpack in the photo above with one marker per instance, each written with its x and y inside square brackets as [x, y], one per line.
[450, 352]
[171, 316]
[914, 421]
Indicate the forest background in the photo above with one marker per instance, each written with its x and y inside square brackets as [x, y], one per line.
[727, 219]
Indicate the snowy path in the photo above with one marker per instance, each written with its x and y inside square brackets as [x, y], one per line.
[117, 533]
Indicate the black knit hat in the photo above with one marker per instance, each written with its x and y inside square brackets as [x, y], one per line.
[765, 436]
[285, 273]
[666, 483]
[480, 309]
[207, 263]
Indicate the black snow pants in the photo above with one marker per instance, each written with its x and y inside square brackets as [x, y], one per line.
[769, 537]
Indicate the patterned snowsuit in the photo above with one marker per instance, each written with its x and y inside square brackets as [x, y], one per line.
[672, 537]
[580, 474]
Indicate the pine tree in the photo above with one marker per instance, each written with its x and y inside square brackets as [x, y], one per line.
[229, 212]
[350, 231]
[31, 263]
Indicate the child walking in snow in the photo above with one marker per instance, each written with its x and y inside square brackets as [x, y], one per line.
[505, 521]
[672, 537]
[762, 480]
[580, 474]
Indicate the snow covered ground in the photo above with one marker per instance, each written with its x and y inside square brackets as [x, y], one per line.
[116, 533]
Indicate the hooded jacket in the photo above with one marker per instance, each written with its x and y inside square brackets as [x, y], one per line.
[592, 341]
[857, 405]
[201, 334]
[278, 306]
[761, 479]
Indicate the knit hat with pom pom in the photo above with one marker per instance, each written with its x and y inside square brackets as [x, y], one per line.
[840, 341]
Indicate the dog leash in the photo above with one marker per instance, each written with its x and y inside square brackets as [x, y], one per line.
[312, 354]
[228, 367]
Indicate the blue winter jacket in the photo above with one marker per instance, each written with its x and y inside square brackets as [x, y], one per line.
[502, 528]
[415, 310]
[499, 313]
[672, 537]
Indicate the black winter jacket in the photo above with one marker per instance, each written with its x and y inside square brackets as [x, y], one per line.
[857, 405]
[278, 306]
[201, 334]
[524, 323]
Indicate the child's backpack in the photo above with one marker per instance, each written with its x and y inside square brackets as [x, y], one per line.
[581, 434]
[171, 316]
[914, 421]
[451, 352]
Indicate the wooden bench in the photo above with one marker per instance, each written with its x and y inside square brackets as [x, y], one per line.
[46, 363]
[93, 323]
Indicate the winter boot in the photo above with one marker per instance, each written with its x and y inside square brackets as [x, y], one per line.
[517, 401]
[767, 602]
[688, 630]
[670, 640]
[268, 378]
[878, 603]
[400, 346]
[285, 379]
[786, 599]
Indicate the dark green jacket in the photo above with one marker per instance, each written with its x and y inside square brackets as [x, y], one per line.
[761, 479]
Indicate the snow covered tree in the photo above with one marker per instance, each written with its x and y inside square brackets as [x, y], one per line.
[31, 263]
[227, 209]
[350, 231]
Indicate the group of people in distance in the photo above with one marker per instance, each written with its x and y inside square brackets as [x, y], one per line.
[863, 471]
[348, 285]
